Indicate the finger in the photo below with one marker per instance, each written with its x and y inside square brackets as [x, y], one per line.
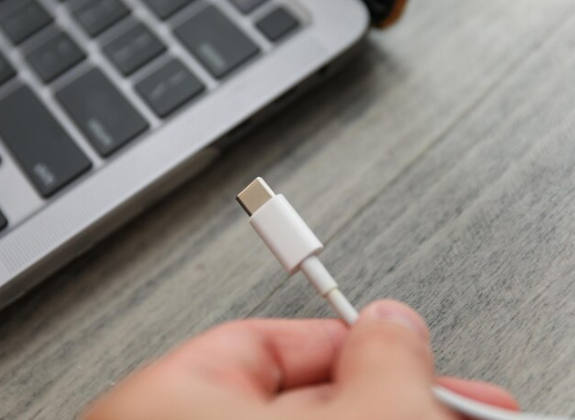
[262, 357]
[482, 392]
[386, 363]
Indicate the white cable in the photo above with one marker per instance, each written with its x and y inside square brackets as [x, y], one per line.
[296, 247]
[326, 286]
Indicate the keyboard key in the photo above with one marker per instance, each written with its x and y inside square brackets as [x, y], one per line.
[277, 24]
[216, 42]
[56, 56]
[6, 70]
[43, 149]
[246, 6]
[20, 19]
[96, 16]
[107, 119]
[3, 221]
[133, 49]
[167, 8]
[169, 88]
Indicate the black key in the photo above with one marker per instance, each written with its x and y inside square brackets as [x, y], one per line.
[134, 49]
[96, 16]
[169, 88]
[20, 19]
[246, 6]
[56, 56]
[3, 221]
[277, 24]
[216, 42]
[6, 70]
[44, 150]
[101, 112]
[167, 8]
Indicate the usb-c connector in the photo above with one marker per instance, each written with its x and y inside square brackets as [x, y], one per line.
[255, 195]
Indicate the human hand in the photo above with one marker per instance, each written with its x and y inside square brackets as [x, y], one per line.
[310, 370]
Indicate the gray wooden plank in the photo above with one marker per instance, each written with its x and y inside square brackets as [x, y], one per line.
[477, 235]
[190, 261]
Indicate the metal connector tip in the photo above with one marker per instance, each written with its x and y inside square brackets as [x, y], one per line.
[255, 195]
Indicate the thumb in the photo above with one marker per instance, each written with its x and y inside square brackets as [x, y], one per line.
[386, 364]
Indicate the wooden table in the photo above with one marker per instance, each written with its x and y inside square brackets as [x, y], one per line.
[439, 168]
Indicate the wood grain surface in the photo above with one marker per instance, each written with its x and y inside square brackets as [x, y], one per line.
[439, 168]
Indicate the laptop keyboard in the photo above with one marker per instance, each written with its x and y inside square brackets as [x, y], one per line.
[169, 88]
[247, 6]
[108, 119]
[55, 57]
[3, 221]
[95, 16]
[165, 9]
[6, 70]
[134, 49]
[216, 42]
[25, 124]
[20, 19]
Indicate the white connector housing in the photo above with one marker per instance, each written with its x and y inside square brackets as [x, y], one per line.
[285, 233]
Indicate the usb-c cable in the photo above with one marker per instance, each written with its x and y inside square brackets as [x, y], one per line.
[296, 247]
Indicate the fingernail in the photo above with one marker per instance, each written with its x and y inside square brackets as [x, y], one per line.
[397, 313]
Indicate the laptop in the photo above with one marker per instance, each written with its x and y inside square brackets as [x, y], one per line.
[106, 105]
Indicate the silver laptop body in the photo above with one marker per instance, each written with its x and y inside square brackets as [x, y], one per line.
[105, 105]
